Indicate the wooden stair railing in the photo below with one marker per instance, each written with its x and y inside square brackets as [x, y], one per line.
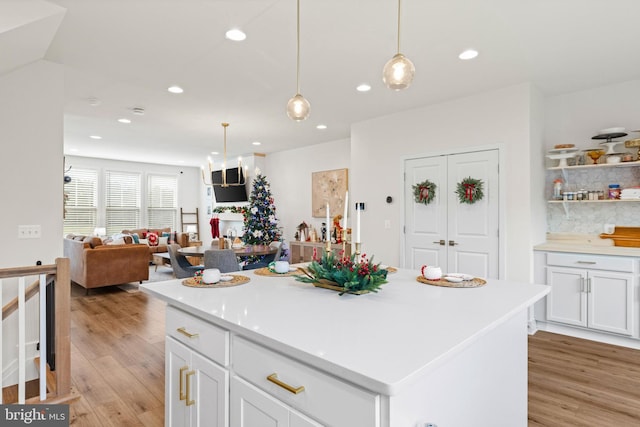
[60, 391]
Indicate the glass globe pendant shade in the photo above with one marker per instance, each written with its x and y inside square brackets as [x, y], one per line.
[398, 73]
[298, 108]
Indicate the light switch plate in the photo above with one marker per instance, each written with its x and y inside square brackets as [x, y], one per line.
[29, 232]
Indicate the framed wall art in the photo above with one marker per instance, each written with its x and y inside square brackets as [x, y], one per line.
[328, 186]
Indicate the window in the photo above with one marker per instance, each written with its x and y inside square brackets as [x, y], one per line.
[162, 201]
[122, 201]
[81, 206]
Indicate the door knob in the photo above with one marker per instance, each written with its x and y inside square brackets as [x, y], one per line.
[452, 243]
[439, 242]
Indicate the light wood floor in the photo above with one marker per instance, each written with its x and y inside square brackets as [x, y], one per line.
[117, 364]
[117, 358]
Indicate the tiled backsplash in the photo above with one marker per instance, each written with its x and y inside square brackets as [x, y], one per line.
[590, 217]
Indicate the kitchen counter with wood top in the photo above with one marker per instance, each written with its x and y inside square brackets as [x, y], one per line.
[584, 244]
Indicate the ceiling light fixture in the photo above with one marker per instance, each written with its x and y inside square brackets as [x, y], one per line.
[95, 137]
[223, 176]
[321, 127]
[175, 89]
[398, 73]
[235, 35]
[123, 120]
[298, 108]
[468, 54]
[364, 87]
[257, 143]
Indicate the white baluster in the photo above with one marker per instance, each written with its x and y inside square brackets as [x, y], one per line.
[21, 343]
[43, 336]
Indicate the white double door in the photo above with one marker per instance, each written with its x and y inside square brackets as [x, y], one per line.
[457, 237]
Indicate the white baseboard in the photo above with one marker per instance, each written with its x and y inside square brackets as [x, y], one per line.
[589, 335]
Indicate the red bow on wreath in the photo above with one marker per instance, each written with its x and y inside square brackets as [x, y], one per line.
[469, 189]
[424, 193]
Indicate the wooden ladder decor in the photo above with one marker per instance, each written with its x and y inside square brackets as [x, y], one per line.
[190, 220]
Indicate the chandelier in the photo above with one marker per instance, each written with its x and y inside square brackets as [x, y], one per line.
[220, 178]
[298, 108]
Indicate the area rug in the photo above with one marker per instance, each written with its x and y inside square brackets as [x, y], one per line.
[162, 274]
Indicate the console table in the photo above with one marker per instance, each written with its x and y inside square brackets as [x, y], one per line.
[303, 251]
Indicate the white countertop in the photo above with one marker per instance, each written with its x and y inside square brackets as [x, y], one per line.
[382, 341]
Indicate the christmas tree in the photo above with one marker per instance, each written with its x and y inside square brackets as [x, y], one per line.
[260, 222]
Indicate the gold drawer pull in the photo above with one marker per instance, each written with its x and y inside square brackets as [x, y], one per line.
[274, 379]
[183, 331]
[189, 401]
[182, 395]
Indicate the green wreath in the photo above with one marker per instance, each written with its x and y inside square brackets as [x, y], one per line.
[424, 192]
[469, 190]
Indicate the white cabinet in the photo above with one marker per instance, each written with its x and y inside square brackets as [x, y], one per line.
[196, 380]
[196, 389]
[251, 407]
[595, 292]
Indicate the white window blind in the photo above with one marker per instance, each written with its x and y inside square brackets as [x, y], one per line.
[81, 203]
[162, 201]
[122, 201]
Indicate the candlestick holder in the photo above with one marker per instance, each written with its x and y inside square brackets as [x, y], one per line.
[328, 247]
[358, 247]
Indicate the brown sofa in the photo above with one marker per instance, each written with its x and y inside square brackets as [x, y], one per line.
[181, 239]
[94, 265]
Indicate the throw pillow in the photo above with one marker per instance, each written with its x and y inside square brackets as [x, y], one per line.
[163, 241]
[144, 242]
[116, 242]
[136, 238]
[153, 239]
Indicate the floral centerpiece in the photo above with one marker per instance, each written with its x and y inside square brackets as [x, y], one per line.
[345, 273]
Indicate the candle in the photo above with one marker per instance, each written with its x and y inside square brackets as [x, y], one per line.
[344, 218]
[357, 224]
[202, 170]
[328, 224]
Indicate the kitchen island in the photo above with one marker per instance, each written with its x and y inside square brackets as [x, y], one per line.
[407, 355]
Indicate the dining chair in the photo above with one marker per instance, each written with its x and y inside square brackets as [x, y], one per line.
[224, 260]
[182, 268]
[264, 262]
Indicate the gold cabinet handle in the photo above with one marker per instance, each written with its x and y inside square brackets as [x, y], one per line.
[274, 379]
[184, 332]
[182, 395]
[188, 376]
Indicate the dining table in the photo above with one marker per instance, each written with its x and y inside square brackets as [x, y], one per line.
[241, 252]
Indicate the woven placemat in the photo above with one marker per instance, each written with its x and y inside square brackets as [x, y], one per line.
[237, 280]
[473, 283]
[264, 271]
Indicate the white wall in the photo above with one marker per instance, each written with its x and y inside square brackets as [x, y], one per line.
[289, 173]
[190, 188]
[31, 110]
[501, 117]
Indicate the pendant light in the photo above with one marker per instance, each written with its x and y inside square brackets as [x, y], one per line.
[398, 73]
[298, 107]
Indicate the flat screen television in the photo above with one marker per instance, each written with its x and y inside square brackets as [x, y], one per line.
[232, 193]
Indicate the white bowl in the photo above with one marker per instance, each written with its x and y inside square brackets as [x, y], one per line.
[614, 159]
[611, 130]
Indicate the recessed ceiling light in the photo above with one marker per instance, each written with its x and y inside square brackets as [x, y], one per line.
[95, 137]
[215, 153]
[321, 127]
[468, 54]
[175, 89]
[256, 142]
[123, 120]
[364, 87]
[235, 35]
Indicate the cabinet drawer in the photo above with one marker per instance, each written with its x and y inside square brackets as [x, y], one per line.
[324, 398]
[597, 262]
[206, 338]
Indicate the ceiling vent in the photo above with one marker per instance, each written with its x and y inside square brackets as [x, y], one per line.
[138, 111]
